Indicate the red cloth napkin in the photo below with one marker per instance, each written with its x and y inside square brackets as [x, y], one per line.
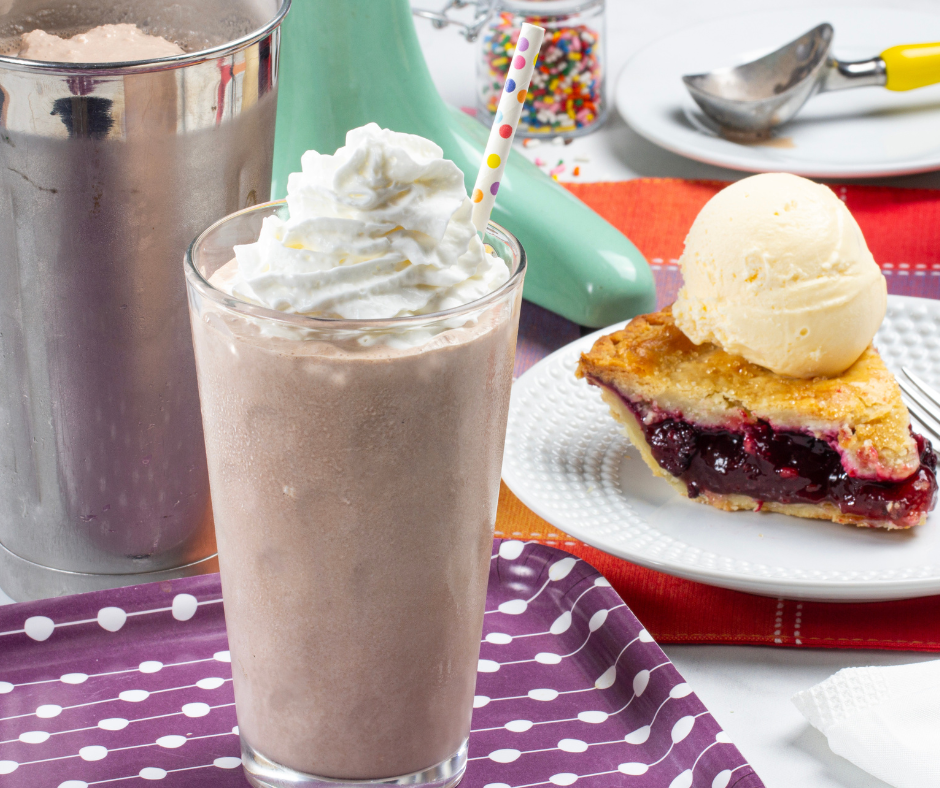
[902, 227]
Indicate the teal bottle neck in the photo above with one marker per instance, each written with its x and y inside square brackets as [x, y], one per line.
[345, 63]
[351, 62]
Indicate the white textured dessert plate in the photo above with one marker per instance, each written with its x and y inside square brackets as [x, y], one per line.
[568, 461]
[863, 132]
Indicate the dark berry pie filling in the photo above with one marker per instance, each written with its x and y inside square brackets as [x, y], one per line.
[784, 466]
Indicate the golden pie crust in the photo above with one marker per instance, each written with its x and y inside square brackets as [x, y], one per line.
[861, 410]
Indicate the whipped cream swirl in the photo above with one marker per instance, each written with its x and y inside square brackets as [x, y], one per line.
[380, 229]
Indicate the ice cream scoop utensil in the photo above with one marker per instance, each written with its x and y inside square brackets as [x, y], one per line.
[503, 131]
[755, 97]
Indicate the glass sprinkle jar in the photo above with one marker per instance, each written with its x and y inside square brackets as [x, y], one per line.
[567, 97]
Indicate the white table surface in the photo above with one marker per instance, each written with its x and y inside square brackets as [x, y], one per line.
[748, 689]
[615, 151]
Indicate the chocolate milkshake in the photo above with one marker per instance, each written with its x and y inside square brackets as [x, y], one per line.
[108, 169]
[120, 43]
[355, 460]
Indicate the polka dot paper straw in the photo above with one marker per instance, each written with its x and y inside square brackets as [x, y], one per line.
[504, 127]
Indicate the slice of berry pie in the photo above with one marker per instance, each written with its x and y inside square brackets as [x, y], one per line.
[735, 435]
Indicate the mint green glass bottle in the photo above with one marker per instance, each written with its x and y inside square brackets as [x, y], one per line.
[345, 63]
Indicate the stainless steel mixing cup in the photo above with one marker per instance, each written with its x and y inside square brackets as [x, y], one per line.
[107, 172]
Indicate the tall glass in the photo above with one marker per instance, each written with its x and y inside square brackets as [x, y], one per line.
[354, 467]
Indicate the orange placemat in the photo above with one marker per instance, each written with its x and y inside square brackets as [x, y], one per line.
[902, 227]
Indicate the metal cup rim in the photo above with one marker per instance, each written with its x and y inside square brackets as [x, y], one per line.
[146, 66]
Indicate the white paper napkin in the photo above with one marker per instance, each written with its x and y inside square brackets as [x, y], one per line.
[884, 720]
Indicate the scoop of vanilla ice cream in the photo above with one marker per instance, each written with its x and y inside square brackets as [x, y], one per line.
[777, 270]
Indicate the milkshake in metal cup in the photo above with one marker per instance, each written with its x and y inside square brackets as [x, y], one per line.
[355, 459]
[107, 172]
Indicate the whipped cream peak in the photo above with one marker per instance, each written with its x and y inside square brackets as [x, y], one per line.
[398, 178]
[380, 229]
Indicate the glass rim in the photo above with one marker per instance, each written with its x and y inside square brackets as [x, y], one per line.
[199, 282]
[154, 64]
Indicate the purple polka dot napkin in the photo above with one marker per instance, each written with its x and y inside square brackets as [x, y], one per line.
[133, 686]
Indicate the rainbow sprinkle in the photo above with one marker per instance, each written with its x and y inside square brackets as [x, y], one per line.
[566, 93]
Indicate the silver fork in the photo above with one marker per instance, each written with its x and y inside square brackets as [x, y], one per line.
[923, 402]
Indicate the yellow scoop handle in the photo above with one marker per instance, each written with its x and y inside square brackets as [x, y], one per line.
[910, 66]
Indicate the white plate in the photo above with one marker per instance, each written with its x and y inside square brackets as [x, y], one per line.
[863, 132]
[567, 460]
